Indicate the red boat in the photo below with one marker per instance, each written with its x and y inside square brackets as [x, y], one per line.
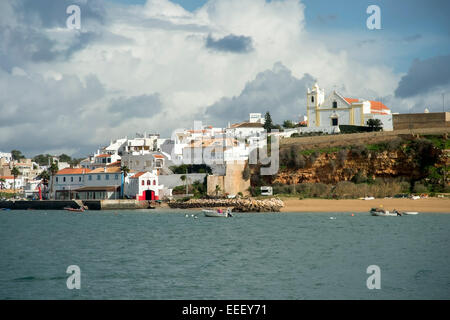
[75, 210]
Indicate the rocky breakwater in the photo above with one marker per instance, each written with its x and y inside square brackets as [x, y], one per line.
[238, 205]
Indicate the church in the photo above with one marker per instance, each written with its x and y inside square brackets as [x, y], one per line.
[327, 113]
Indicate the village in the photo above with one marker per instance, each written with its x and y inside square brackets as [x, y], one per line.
[148, 167]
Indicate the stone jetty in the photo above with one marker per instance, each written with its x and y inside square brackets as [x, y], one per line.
[238, 205]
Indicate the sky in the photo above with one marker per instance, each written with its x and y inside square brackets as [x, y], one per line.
[157, 65]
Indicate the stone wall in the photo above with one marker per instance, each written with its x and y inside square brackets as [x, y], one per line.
[232, 182]
[421, 120]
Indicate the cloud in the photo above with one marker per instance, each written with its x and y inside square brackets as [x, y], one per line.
[424, 76]
[156, 67]
[230, 43]
[275, 90]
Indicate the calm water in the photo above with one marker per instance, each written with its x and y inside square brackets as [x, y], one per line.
[164, 255]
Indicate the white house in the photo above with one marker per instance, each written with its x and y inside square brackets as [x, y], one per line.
[144, 186]
[327, 113]
[9, 182]
[7, 156]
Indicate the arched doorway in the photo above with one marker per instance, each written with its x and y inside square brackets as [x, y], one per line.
[149, 195]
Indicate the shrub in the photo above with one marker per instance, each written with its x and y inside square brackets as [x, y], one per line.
[420, 188]
[359, 150]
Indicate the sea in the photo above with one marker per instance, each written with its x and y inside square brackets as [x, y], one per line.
[170, 254]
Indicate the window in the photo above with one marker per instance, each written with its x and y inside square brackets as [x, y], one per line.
[79, 179]
[64, 179]
[148, 182]
[71, 179]
[143, 182]
[90, 177]
[312, 99]
[107, 177]
[334, 104]
[116, 177]
[56, 179]
[154, 182]
[99, 177]
[334, 122]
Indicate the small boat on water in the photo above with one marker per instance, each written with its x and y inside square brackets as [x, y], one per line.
[74, 209]
[217, 213]
[378, 212]
[384, 213]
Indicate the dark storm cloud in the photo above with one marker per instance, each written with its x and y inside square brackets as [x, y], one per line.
[276, 91]
[230, 43]
[424, 76]
[134, 107]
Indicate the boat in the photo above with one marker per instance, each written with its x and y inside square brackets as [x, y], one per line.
[74, 209]
[378, 212]
[410, 213]
[217, 213]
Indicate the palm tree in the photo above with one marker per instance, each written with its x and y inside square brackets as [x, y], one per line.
[184, 178]
[53, 170]
[15, 172]
[124, 170]
[217, 189]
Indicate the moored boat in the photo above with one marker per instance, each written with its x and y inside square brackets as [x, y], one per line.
[378, 212]
[217, 213]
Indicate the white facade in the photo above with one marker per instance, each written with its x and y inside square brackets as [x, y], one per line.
[141, 182]
[327, 113]
[9, 182]
[6, 155]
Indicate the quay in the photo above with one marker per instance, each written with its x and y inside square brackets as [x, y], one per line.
[61, 204]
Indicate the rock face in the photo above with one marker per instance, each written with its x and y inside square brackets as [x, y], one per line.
[329, 169]
[238, 205]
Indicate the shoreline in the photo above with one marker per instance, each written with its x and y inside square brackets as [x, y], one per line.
[438, 205]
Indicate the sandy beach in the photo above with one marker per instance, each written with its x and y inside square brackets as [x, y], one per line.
[441, 205]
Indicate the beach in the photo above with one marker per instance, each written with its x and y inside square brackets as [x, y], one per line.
[440, 205]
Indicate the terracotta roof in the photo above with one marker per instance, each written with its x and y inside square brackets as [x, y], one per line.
[351, 100]
[377, 105]
[137, 175]
[105, 155]
[73, 171]
[114, 164]
[6, 177]
[158, 156]
[108, 170]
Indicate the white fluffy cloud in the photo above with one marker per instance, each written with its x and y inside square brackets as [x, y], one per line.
[97, 83]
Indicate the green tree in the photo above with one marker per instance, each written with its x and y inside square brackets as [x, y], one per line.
[125, 170]
[2, 183]
[268, 124]
[375, 124]
[15, 172]
[64, 158]
[17, 155]
[288, 124]
[44, 176]
[217, 189]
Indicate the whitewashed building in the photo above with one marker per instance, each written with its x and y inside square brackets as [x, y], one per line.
[145, 186]
[327, 113]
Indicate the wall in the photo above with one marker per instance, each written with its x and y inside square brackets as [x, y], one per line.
[232, 182]
[174, 180]
[421, 120]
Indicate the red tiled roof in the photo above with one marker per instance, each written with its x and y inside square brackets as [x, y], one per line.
[73, 171]
[6, 177]
[137, 175]
[158, 156]
[114, 164]
[105, 155]
[377, 105]
[351, 100]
